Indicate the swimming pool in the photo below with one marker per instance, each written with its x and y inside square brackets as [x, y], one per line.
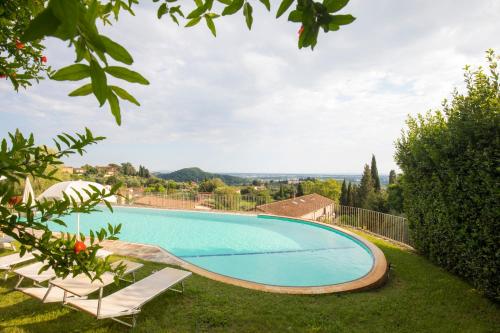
[263, 250]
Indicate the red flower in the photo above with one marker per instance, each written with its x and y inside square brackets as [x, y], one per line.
[2, 76]
[301, 30]
[44, 59]
[79, 246]
[19, 45]
[15, 200]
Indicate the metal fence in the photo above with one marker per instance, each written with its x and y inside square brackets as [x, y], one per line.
[389, 226]
[200, 201]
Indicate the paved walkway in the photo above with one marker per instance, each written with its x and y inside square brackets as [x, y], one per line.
[140, 251]
[135, 250]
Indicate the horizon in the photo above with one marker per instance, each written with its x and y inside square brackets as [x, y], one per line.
[252, 102]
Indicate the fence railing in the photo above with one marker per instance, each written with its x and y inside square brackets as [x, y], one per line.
[200, 201]
[389, 226]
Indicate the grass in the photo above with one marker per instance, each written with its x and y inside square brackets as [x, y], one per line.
[419, 297]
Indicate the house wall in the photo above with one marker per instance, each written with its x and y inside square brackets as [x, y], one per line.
[328, 210]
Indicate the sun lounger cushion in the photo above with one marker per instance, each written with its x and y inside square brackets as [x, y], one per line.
[129, 300]
[6, 262]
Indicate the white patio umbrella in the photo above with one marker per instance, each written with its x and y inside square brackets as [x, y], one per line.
[56, 192]
[28, 191]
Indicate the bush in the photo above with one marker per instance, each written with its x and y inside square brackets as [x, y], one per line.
[450, 161]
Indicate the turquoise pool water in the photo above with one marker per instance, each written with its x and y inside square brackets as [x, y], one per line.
[272, 251]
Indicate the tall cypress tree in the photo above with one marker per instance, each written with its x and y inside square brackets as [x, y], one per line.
[365, 188]
[351, 195]
[300, 189]
[374, 174]
[343, 194]
[392, 177]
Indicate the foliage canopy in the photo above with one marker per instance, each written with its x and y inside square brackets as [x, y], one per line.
[27, 23]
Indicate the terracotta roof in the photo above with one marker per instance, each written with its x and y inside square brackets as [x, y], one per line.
[296, 207]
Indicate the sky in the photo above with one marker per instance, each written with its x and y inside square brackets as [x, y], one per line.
[251, 101]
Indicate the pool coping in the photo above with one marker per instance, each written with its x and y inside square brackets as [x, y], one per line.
[373, 279]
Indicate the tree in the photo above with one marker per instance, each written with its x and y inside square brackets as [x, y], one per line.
[143, 172]
[395, 198]
[210, 185]
[450, 160]
[300, 189]
[75, 21]
[256, 182]
[392, 177]
[328, 188]
[112, 180]
[128, 169]
[352, 194]
[344, 194]
[21, 63]
[89, 169]
[365, 189]
[22, 158]
[375, 177]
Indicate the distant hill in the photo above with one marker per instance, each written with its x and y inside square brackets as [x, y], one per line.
[198, 175]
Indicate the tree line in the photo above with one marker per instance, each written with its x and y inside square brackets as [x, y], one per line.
[369, 194]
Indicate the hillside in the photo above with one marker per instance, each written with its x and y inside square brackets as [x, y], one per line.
[198, 175]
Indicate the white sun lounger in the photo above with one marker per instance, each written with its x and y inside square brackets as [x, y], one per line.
[79, 286]
[8, 263]
[7, 241]
[31, 271]
[129, 300]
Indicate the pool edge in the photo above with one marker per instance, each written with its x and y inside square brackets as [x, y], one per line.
[375, 278]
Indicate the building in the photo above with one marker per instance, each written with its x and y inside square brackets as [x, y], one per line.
[67, 169]
[311, 206]
[78, 171]
[107, 170]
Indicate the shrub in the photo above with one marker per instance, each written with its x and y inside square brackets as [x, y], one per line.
[450, 161]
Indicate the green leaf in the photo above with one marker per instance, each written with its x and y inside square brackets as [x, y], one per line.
[123, 94]
[233, 7]
[82, 91]
[333, 6]
[333, 27]
[89, 32]
[266, 3]
[342, 19]
[285, 4]
[193, 22]
[44, 24]
[126, 74]
[211, 25]
[226, 2]
[247, 11]
[72, 73]
[67, 13]
[295, 16]
[99, 82]
[162, 10]
[197, 12]
[116, 51]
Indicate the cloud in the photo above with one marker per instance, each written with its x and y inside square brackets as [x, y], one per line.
[251, 101]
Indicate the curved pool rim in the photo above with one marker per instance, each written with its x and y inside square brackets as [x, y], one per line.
[373, 279]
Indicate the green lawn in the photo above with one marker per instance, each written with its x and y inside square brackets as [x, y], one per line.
[419, 297]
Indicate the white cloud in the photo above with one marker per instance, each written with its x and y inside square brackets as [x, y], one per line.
[251, 101]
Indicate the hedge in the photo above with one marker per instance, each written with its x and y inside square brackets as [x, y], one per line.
[451, 164]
